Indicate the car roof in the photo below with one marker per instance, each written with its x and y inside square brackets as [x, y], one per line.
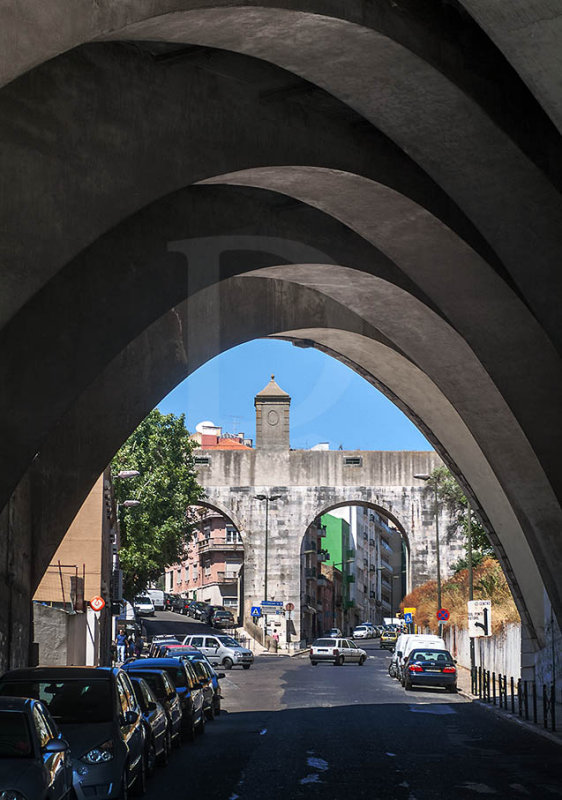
[60, 673]
[16, 703]
[155, 663]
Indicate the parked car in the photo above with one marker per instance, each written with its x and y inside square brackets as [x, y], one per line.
[168, 601]
[206, 614]
[205, 679]
[180, 605]
[361, 632]
[97, 713]
[195, 656]
[186, 684]
[199, 610]
[157, 597]
[35, 760]
[223, 650]
[337, 652]
[334, 633]
[378, 630]
[165, 692]
[143, 606]
[427, 666]
[388, 639]
[407, 642]
[158, 741]
[222, 618]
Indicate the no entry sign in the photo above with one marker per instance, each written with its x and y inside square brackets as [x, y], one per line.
[97, 603]
[290, 607]
[443, 615]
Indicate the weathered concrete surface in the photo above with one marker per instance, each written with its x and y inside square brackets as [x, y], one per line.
[61, 637]
[97, 134]
[311, 483]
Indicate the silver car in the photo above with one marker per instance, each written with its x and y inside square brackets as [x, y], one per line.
[97, 713]
[222, 650]
[35, 760]
[337, 652]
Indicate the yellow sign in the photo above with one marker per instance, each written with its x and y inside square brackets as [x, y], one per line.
[411, 611]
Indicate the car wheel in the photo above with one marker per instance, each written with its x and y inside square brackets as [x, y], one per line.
[202, 726]
[407, 686]
[150, 758]
[217, 706]
[339, 661]
[228, 663]
[314, 663]
[452, 689]
[190, 733]
[392, 670]
[361, 661]
[139, 786]
[164, 756]
[246, 666]
[210, 712]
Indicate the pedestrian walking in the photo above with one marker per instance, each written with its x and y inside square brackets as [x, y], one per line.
[139, 644]
[122, 643]
[276, 641]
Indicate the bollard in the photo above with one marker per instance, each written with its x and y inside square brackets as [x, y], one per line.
[520, 696]
[553, 706]
[534, 702]
[544, 706]
[512, 696]
[480, 682]
[494, 688]
[526, 701]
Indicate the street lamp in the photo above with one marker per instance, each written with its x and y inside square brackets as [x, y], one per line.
[268, 499]
[434, 482]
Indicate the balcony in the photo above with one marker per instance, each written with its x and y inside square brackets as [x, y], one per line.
[322, 580]
[309, 546]
[322, 531]
[227, 577]
[219, 545]
[323, 555]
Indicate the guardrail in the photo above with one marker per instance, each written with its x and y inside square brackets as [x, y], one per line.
[529, 700]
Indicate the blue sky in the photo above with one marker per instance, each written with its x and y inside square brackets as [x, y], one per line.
[330, 402]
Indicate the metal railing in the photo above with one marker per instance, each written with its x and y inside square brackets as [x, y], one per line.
[529, 700]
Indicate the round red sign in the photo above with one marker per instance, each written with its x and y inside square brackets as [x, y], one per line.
[97, 603]
[290, 607]
[443, 615]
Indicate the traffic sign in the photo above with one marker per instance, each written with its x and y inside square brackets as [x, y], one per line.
[411, 611]
[408, 619]
[290, 607]
[97, 603]
[271, 602]
[479, 618]
[256, 611]
[443, 615]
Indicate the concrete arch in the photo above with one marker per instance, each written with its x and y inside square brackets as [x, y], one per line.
[167, 358]
[384, 512]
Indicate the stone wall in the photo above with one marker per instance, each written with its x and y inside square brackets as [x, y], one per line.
[61, 637]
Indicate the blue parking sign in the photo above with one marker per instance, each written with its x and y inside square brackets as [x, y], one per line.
[256, 611]
[408, 618]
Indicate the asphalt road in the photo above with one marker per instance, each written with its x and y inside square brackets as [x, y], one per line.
[290, 730]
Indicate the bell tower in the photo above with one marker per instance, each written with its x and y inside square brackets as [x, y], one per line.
[272, 417]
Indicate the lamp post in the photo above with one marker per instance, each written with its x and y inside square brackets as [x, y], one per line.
[267, 499]
[434, 482]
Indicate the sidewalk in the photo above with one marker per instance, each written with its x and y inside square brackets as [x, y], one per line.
[259, 650]
[465, 688]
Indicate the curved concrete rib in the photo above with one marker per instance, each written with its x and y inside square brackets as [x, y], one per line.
[176, 344]
[530, 36]
[447, 134]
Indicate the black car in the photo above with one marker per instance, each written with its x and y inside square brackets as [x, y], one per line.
[158, 740]
[186, 685]
[429, 667]
[194, 656]
[97, 713]
[162, 686]
[35, 760]
[180, 604]
[221, 618]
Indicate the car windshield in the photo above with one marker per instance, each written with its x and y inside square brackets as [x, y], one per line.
[143, 600]
[15, 741]
[361, 628]
[323, 643]
[68, 700]
[431, 655]
[228, 641]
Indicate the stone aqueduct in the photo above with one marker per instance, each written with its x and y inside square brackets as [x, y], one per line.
[380, 180]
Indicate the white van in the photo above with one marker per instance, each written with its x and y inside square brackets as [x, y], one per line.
[157, 597]
[406, 643]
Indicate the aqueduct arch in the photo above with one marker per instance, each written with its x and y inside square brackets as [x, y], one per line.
[363, 93]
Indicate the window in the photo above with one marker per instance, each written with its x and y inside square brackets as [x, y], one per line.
[178, 575]
[353, 461]
[41, 727]
[197, 641]
[210, 642]
[207, 568]
[232, 535]
[14, 735]
[201, 461]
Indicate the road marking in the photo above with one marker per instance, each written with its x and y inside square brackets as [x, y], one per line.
[263, 731]
[392, 755]
[428, 708]
[314, 778]
[318, 763]
[480, 788]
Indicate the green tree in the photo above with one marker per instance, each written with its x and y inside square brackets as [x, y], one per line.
[154, 533]
[451, 497]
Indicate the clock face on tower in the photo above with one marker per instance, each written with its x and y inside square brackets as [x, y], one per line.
[272, 417]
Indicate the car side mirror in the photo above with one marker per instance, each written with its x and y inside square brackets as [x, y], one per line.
[129, 717]
[220, 675]
[56, 746]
